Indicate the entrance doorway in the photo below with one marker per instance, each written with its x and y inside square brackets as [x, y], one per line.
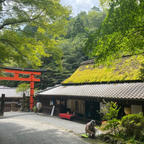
[92, 111]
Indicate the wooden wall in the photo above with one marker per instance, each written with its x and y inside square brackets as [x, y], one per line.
[77, 106]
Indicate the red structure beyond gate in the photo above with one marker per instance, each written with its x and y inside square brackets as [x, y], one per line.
[16, 77]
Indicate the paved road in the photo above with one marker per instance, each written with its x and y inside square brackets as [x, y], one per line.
[29, 128]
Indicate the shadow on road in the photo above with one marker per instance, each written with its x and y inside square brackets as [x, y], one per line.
[12, 133]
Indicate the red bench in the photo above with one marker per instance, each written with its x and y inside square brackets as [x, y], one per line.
[66, 116]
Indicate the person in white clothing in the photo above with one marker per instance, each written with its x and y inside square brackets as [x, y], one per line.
[38, 106]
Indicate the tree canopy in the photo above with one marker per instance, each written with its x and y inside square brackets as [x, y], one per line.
[121, 32]
[23, 87]
[19, 46]
[60, 42]
[71, 47]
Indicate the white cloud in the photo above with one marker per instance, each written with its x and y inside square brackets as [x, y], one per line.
[80, 5]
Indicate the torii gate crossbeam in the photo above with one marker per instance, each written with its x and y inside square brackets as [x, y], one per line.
[16, 77]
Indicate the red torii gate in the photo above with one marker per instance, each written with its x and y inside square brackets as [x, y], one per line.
[16, 77]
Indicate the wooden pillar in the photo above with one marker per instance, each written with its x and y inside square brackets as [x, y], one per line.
[23, 101]
[2, 105]
[84, 116]
[143, 107]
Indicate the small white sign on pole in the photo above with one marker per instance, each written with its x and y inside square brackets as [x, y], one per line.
[52, 112]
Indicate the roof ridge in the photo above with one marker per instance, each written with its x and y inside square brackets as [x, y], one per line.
[49, 88]
[87, 62]
[104, 82]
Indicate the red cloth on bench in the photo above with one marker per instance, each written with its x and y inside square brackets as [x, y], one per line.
[65, 115]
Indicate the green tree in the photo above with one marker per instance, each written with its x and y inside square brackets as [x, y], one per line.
[72, 53]
[78, 26]
[121, 33]
[95, 18]
[65, 52]
[77, 34]
[23, 87]
[18, 46]
[110, 112]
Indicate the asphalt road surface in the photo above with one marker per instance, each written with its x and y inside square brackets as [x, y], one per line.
[28, 128]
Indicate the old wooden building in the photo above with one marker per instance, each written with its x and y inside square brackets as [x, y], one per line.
[85, 91]
[13, 99]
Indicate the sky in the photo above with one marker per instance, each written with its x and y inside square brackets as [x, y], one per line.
[80, 5]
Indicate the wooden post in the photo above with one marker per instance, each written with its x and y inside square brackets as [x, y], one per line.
[23, 101]
[2, 105]
[84, 117]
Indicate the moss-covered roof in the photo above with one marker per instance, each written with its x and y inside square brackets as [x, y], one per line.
[125, 69]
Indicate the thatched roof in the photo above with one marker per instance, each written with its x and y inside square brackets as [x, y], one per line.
[125, 69]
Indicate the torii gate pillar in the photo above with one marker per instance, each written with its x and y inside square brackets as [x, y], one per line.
[31, 92]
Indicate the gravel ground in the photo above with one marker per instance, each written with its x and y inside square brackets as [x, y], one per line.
[22, 128]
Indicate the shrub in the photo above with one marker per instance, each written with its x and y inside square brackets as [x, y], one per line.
[113, 126]
[34, 109]
[110, 111]
[134, 125]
